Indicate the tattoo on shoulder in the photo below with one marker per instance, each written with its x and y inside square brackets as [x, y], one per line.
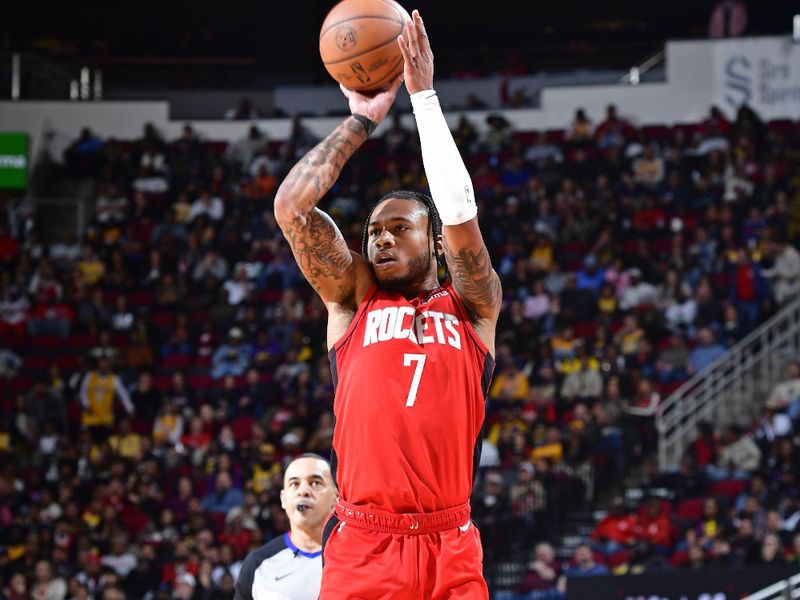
[474, 278]
[320, 250]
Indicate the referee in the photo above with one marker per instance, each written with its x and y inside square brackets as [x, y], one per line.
[290, 567]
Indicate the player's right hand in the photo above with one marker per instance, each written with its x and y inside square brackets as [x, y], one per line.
[375, 105]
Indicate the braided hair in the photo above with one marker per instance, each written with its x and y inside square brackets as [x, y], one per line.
[434, 224]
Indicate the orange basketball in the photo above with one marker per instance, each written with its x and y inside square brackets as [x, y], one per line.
[358, 43]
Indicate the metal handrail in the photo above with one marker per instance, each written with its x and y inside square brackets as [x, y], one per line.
[732, 388]
[786, 589]
[634, 74]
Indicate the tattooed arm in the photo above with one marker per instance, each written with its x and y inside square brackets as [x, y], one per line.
[319, 248]
[473, 277]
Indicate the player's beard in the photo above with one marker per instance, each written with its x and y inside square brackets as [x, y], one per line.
[417, 271]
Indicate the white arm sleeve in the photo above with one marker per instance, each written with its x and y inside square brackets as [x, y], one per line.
[451, 186]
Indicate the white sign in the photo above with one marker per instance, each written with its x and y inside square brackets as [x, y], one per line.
[761, 72]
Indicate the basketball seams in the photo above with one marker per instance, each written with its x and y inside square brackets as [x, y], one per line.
[362, 53]
[396, 8]
[356, 17]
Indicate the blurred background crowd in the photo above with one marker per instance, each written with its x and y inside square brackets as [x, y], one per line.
[158, 369]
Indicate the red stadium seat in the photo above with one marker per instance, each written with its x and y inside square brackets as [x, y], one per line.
[21, 383]
[556, 136]
[781, 125]
[690, 510]
[133, 522]
[162, 382]
[141, 299]
[656, 133]
[730, 488]
[242, 428]
[586, 329]
[526, 138]
[46, 341]
[200, 382]
[67, 362]
[37, 362]
[81, 341]
[175, 363]
[162, 320]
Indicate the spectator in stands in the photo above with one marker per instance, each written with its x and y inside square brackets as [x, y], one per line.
[705, 352]
[111, 205]
[543, 576]
[771, 550]
[239, 286]
[580, 130]
[739, 456]
[224, 496]
[613, 131]
[46, 585]
[638, 291]
[208, 205]
[167, 428]
[542, 150]
[785, 271]
[671, 363]
[240, 153]
[584, 564]
[210, 264]
[100, 389]
[232, 357]
[585, 383]
[786, 394]
[616, 531]
[243, 111]
[498, 135]
[648, 169]
[14, 306]
[653, 526]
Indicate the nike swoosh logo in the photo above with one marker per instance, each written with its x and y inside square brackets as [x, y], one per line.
[279, 577]
[463, 528]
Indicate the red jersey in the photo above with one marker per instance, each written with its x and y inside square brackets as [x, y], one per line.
[411, 379]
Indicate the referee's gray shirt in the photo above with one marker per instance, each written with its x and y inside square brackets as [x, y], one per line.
[279, 570]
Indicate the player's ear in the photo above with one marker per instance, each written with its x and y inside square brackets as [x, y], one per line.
[283, 499]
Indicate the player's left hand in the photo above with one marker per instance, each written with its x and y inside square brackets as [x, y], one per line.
[376, 105]
[417, 54]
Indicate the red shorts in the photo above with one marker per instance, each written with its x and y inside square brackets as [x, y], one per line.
[402, 558]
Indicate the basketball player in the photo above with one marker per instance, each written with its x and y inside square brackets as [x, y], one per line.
[411, 356]
[290, 567]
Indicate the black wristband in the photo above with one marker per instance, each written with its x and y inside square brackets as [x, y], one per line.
[368, 123]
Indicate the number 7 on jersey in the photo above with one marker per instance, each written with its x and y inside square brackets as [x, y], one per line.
[420, 360]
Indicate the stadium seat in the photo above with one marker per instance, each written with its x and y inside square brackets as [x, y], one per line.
[730, 488]
[175, 363]
[162, 319]
[690, 510]
[242, 428]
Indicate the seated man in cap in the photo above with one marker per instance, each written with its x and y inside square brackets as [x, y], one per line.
[232, 357]
[290, 566]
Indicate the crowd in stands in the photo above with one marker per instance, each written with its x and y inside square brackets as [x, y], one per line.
[160, 369]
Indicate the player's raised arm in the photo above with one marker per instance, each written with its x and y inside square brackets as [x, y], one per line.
[451, 187]
[318, 246]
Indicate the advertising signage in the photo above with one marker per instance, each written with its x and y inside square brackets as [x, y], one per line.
[13, 161]
[710, 583]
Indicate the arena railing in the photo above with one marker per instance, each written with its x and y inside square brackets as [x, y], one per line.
[731, 390]
[786, 589]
